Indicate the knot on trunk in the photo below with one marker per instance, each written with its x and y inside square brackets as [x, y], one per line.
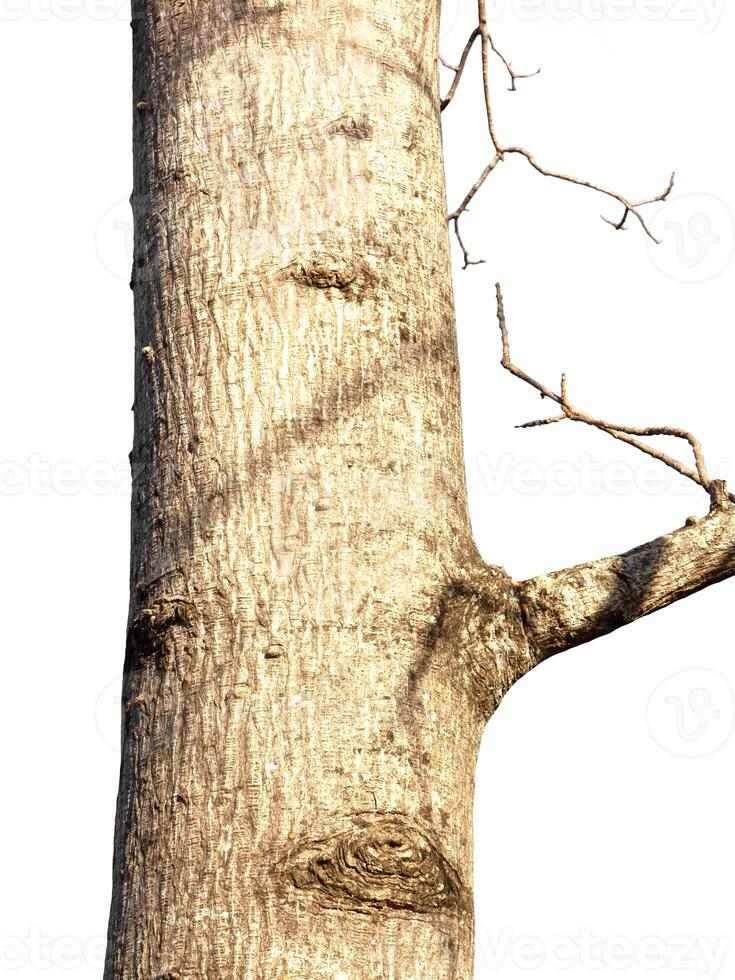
[384, 862]
[353, 127]
[151, 627]
[327, 270]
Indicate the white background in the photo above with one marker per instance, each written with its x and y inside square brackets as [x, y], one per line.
[606, 800]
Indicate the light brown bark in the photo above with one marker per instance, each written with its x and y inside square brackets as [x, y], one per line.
[314, 645]
[575, 605]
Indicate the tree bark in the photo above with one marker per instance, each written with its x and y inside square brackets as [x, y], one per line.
[296, 790]
[314, 645]
[579, 604]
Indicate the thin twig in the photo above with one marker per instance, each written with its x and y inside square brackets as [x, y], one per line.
[464, 207]
[630, 207]
[501, 151]
[458, 69]
[514, 75]
[624, 433]
[467, 260]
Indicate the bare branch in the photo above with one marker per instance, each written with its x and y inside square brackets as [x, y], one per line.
[464, 206]
[575, 605]
[458, 69]
[624, 433]
[514, 75]
[539, 422]
[467, 260]
[488, 46]
[629, 207]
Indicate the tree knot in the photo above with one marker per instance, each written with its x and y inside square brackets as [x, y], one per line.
[719, 495]
[327, 270]
[150, 628]
[384, 862]
[353, 127]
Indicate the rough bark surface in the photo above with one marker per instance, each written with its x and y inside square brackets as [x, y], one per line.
[579, 604]
[314, 645]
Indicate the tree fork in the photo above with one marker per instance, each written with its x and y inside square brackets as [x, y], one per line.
[314, 645]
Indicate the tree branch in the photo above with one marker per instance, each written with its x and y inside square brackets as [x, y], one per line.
[500, 151]
[623, 433]
[458, 69]
[576, 605]
[573, 606]
[566, 608]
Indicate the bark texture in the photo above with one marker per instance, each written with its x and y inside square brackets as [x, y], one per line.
[314, 645]
[578, 604]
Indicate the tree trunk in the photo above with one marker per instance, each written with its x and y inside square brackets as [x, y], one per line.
[314, 645]
[299, 742]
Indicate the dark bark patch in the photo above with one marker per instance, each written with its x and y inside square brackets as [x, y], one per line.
[478, 638]
[382, 863]
[258, 14]
[328, 271]
[353, 127]
[171, 175]
[150, 627]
